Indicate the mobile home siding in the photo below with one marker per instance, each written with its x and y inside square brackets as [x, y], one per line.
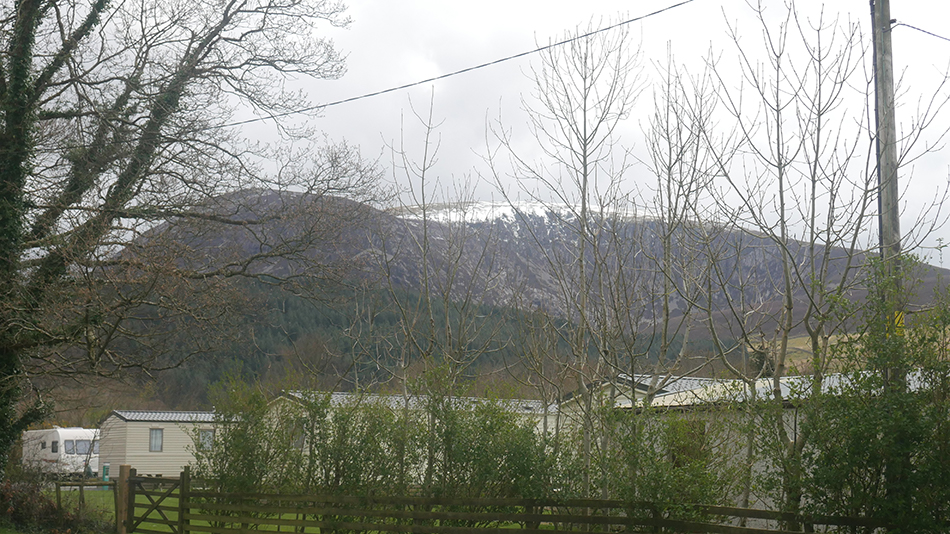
[112, 444]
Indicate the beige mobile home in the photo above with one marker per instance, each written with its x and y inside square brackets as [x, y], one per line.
[152, 442]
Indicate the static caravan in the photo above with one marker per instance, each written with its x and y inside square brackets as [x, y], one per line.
[64, 452]
[152, 442]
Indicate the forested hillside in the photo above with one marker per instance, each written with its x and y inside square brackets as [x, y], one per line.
[472, 291]
[299, 341]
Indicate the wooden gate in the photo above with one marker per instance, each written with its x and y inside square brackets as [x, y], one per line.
[147, 509]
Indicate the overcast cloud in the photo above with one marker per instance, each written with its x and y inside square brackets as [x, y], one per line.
[395, 42]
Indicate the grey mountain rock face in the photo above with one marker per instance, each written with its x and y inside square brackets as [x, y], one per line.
[528, 256]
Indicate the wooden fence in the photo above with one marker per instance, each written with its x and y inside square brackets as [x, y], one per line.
[163, 505]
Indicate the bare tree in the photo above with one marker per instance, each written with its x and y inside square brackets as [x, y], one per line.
[442, 283]
[584, 91]
[800, 184]
[680, 208]
[115, 133]
[438, 269]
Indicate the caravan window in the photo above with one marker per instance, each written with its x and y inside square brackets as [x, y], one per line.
[205, 440]
[82, 446]
[69, 447]
[42, 445]
[95, 447]
[54, 447]
[155, 440]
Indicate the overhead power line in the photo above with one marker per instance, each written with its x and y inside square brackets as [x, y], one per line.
[454, 73]
[932, 34]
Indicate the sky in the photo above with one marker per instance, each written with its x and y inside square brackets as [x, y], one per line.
[391, 43]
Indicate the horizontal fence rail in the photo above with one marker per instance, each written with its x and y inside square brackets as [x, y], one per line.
[162, 505]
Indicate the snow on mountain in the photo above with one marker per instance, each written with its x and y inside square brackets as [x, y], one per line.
[484, 211]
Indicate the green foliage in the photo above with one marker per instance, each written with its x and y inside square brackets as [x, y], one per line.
[253, 449]
[278, 329]
[358, 448]
[442, 444]
[482, 450]
[666, 457]
[880, 443]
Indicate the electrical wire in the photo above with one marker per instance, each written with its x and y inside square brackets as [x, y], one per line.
[920, 30]
[450, 74]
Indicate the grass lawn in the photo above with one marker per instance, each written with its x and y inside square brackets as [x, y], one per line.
[96, 500]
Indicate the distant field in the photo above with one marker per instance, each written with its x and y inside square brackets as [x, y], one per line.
[799, 354]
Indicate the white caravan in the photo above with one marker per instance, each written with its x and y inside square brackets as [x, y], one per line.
[64, 452]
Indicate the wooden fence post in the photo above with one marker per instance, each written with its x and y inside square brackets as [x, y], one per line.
[115, 502]
[184, 486]
[59, 496]
[122, 499]
[130, 507]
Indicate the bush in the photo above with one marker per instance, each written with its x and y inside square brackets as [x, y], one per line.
[880, 444]
[25, 506]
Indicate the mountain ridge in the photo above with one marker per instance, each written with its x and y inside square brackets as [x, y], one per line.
[518, 254]
[523, 261]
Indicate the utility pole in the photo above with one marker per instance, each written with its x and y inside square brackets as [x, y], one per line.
[897, 484]
[888, 193]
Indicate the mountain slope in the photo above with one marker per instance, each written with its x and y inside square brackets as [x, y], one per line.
[453, 271]
[523, 255]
